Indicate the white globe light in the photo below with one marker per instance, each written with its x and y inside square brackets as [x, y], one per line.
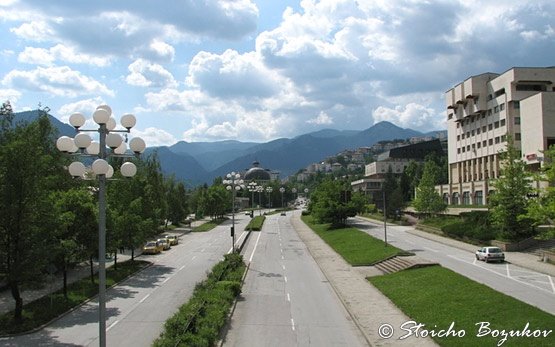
[82, 140]
[73, 148]
[110, 172]
[94, 148]
[64, 144]
[111, 124]
[121, 149]
[100, 167]
[137, 145]
[228, 187]
[106, 108]
[76, 169]
[77, 120]
[237, 187]
[128, 169]
[128, 121]
[101, 116]
[113, 140]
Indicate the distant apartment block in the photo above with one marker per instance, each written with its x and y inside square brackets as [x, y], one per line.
[481, 112]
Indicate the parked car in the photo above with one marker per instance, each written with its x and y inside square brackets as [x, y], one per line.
[172, 239]
[488, 254]
[165, 244]
[152, 247]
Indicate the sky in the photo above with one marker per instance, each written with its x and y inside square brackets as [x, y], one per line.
[258, 70]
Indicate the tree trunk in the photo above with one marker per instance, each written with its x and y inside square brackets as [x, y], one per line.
[115, 260]
[18, 312]
[92, 269]
[132, 253]
[65, 280]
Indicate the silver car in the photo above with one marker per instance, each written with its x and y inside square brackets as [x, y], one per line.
[488, 254]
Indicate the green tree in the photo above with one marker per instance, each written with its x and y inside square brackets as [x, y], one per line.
[427, 200]
[542, 209]
[509, 203]
[29, 169]
[176, 196]
[332, 202]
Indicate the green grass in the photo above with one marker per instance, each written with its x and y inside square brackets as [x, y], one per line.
[440, 221]
[209, 225]
[43, 310]
[436, 297]
[256, 223]
[355, 246]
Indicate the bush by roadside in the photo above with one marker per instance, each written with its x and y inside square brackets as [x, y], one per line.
[209, 225]
[256, 223]
[45, 309]
[199, 321]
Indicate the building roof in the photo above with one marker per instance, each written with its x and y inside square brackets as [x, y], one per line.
[418, 151]
[256, 173]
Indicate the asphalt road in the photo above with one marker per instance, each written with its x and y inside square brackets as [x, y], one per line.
[137, 308]
[532, 287]
[286, 300]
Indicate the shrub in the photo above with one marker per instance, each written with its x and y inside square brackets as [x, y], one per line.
[256, 223]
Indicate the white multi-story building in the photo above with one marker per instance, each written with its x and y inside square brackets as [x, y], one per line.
[481, 112]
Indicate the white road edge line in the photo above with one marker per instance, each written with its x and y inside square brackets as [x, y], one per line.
[552, 284]
[508, 272]
[143, 299]
[285, 278]
[292, 324]
[288, 297]
[166, 280]
[181, 268]
[112, 325]
[255, 245]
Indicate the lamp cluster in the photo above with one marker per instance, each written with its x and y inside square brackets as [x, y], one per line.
[233, 181]
[82, 144]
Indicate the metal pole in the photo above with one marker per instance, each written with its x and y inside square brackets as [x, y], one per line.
[384, 219]
[233, 218]
[102, 244]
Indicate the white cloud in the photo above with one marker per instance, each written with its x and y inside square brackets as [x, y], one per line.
[86, 107]
[146, 74]
[60, 81]
[35, 30]
[323, 118]
[154, 137]
[413, 116]
[10, 95]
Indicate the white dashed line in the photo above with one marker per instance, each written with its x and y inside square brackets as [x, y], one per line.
[292, 324]
[288, 297]
[166, 280]
[143, 299]
[181, 268]
[285, 278]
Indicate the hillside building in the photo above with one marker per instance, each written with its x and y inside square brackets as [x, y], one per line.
[481, 112]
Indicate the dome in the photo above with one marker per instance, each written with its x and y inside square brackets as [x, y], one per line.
[256, 173]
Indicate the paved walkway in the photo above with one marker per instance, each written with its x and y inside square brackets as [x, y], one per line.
[369, 308]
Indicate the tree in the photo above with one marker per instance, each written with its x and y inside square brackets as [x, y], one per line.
[427, 200]
[332, 202]
[509, 203]
[393, 195]
[29, 169]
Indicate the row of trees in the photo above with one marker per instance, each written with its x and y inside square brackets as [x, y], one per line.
[49, 220]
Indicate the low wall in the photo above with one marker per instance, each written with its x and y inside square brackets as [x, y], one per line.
[514, 246]
[548, 256]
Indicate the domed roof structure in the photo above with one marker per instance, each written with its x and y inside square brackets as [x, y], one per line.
[256, 173]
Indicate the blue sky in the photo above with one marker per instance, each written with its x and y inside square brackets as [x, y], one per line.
[259, 70]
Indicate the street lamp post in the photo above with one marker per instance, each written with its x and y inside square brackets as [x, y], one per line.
[252, 187]
[83, 146]
[269, 191]
[282, 190]
[234, 184]
[260, 190]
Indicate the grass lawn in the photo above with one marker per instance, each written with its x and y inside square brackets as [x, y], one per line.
[355, 246]
[43, 310]
[256, 223]
[436, 297]
[209, 225]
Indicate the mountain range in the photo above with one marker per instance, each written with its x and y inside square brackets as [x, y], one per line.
[201, 162]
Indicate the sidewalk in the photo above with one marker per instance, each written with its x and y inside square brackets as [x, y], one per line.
[368, 307]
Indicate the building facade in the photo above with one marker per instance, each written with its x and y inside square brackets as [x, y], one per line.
[482, 112]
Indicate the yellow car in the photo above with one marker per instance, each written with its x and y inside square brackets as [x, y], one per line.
[164, 243]
[152, 247]
[172, 239]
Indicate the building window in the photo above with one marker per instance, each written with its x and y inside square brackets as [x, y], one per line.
[496, 124]
[500, 92]
[463, 149]
[502, 107]
[458, 151]
[472, 133]
[490, 126]
[466, 198]
[496, 109]
[489, 112]
[517, 136]
[479, 144]
[531, 88]
[478, 198]
[484, 143]
[462, 136]
[455, 199]
[478, 131]
[502, 122]
[458, 137]
[516, 105]
[497, 139]
[458, 125]
[503, 138]
[490, 97]
[490, 142]
[468, 134]
[468, 147]
[484, 128]
[450, 116]
[517, 120]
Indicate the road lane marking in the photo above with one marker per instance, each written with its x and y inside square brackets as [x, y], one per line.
[166, 280]
[255, 245]
[181, 268]
[508, 272]
[143, 299]
[112, 325]
[282, 257]
[285, 277]
[283, 267]
[288, 297]
[552, 284]
[292, 324]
